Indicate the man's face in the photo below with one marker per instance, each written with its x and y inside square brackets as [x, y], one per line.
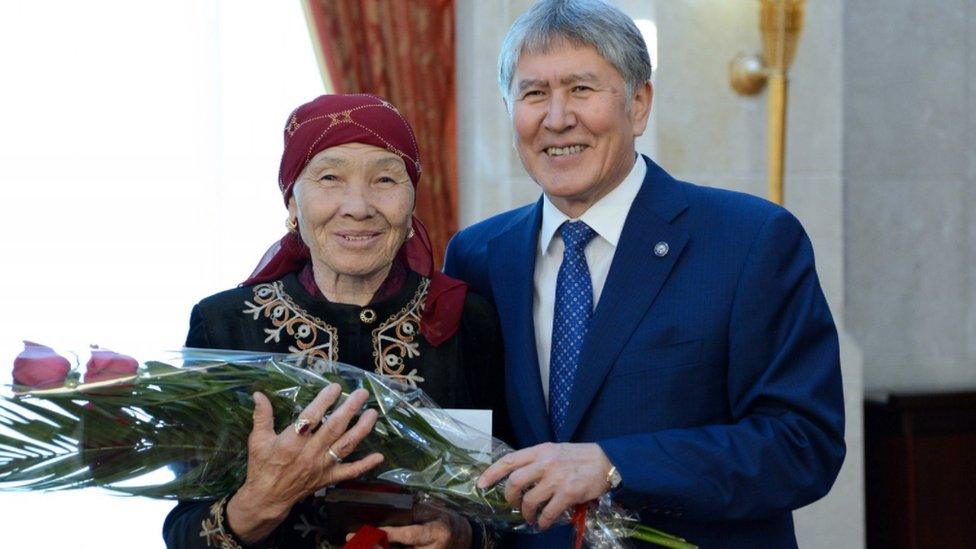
[574, 129]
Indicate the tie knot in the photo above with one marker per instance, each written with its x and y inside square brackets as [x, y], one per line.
[576, 235]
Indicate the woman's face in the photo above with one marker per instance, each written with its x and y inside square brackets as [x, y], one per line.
[353, 204]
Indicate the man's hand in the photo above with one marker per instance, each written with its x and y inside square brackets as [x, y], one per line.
[561, 474]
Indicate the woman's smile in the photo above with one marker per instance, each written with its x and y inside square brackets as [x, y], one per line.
[357, 239]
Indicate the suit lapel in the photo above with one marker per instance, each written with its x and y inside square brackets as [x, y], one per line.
[512, 257]
[635, 278]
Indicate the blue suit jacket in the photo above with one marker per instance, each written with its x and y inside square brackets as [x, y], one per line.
[709, 376]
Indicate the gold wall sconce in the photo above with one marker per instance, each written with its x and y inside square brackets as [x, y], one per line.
[780, 23]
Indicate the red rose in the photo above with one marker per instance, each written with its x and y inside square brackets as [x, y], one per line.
[105, 364]
[39, 366]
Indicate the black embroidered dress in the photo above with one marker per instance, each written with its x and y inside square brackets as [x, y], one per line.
[466, 371]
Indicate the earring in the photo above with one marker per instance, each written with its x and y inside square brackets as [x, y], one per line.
[291, 224]
[411, 233]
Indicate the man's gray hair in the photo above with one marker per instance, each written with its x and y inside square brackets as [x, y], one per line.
[593, 23]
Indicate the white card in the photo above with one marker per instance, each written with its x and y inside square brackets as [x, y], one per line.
[479, 419]
[479, 441]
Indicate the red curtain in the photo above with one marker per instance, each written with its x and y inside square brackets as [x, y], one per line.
[402, 50]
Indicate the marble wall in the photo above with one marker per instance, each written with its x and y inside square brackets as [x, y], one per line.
[490, 177]
[910, 190]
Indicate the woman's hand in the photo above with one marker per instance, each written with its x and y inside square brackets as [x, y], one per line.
[283, 468]
[435, 529]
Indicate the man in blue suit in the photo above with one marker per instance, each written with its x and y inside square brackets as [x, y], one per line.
[665, 342]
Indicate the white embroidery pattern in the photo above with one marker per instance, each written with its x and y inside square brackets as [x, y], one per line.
[271, 301]
[395, 339]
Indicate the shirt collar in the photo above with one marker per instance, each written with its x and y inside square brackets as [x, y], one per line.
[606, 217]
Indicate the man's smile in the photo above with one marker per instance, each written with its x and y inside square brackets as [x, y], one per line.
[565, 151]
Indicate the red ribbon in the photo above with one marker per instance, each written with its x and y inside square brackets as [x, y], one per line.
[368, 537]
[579, 522]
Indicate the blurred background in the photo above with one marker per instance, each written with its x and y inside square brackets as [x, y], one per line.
[139, 148]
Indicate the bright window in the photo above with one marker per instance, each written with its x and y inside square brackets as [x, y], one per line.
[139, 149]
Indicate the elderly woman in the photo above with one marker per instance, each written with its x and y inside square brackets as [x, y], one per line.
[352, 281]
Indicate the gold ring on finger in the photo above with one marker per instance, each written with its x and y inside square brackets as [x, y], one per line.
[302, 425]
[335, 456]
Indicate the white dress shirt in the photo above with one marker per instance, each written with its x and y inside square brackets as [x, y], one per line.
[606, 218]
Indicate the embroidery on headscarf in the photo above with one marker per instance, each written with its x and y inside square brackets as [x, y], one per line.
[345, 116]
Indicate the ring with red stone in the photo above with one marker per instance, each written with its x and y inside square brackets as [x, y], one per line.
[302, 426]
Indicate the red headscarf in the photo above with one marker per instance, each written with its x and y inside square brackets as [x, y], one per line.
[332, 120]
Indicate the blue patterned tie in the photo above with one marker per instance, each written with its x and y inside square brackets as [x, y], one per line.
[570, 318]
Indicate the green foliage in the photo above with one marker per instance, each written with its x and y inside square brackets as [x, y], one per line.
[196, 420]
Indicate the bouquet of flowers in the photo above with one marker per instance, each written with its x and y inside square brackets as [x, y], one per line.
[190, 412]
